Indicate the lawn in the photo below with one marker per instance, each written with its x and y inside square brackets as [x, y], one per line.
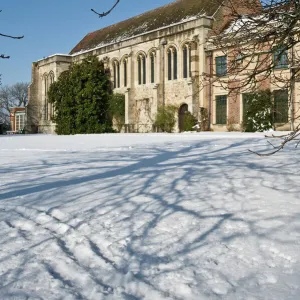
[148, 216]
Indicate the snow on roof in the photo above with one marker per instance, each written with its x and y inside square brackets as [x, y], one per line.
[124, 38]
[175, 12]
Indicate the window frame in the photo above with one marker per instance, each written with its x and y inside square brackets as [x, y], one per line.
[18, 123]
[169, 62]
[139, 60]
[116, 71]
[175, 64]
[125, 71]
[221, 65]
[280, 58]
[152, 67]
[244, 103]
[281, 108]
[223, 119]
[144, 69]
[186, 61]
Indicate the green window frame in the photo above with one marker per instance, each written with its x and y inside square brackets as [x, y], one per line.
[246, 104]
[281, 106]
[221, 65]
[221, 110]
[280, 58]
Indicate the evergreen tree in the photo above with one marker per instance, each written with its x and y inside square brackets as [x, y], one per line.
[81, 98]
[258, 111]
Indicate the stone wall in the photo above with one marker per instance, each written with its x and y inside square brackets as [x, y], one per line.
[142, 100]
[39, 112]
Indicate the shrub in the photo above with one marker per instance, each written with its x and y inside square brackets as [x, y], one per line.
[165, 118]
[189, 121]
[258, 115]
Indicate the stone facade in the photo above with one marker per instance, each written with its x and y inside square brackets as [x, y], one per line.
[39, 111]
[141, 98]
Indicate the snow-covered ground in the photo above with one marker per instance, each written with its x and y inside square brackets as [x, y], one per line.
[148, 216]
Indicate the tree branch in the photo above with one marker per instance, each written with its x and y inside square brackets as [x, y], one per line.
[4, 56]
[104, 14]
[11, 36]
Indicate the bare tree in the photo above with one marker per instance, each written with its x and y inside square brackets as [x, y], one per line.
[261, 42]
[12, 96]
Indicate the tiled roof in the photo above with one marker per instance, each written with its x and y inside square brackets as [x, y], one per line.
[163, 16]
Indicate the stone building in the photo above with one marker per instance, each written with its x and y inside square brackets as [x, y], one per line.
[155, 59]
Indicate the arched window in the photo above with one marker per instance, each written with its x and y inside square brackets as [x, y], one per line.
[118, 74]
[152, 66]
[172, 63]
[116, 71]
[169, 64]
[45, 115]
[187, 53]
[50, 106]
[115, 74]
[144, 69]
[141, 69]
[125, 72]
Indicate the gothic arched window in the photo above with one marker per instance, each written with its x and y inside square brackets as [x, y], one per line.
[187, 53]
[116, 71]
[50, 106]
[45, 115]
[169, 64]
[172, 63]
[125, 72]
[152, 67]
[141, 69]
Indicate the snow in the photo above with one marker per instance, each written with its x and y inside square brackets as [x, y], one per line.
[132, 34]
[148, 216]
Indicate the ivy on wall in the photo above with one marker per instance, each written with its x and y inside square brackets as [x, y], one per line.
[117, 110]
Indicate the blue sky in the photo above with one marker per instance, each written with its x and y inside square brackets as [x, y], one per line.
[54, 27]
